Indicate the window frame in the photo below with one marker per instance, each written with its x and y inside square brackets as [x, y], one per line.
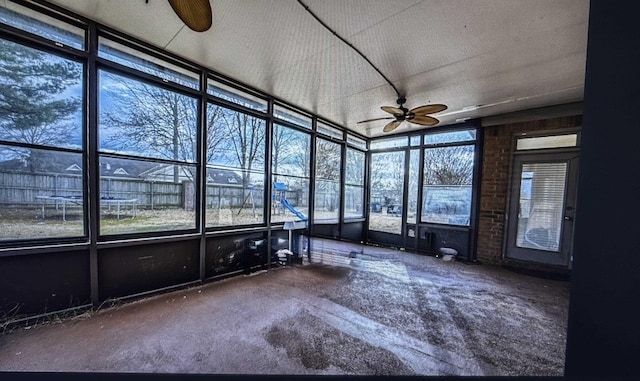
[46, 46]
[340, 181]
[304, 178]
[473, 145]
[363, 185]
[146, 79]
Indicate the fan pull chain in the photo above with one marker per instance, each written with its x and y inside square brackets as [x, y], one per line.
[350, 45]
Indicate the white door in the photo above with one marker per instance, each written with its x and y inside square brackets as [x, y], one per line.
[542, 208]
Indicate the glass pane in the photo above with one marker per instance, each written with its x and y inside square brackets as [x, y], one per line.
[448, 178]
[387, 187]
[42, 25]
[40, 194]
[40, 97]
[291, 166]
[236, 96]
[414, 140]
[146, 63]
[354, 180]
[291, 152]
[540, 142]
[355, 167]
[389, 143]
[290, 116]
[290, 198]
[236, 168]
[542, 191]
[142, 196]
[234, 197]
[353, 202]
[450, 137]
[328, 168]
[412, 192]
[329, 131]
[356, 142]
[140, 119]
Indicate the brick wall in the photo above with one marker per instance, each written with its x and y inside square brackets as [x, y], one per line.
[495, 180]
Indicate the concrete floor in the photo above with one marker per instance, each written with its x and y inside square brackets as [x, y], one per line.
[357, 310]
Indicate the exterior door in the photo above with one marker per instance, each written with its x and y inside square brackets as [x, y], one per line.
[542, 208]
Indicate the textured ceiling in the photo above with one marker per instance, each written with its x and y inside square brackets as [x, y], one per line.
[480, 58]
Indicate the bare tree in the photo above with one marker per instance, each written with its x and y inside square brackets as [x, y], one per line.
[354, 179]
[241, 144]
[387, 176]
[291, 148]
[355, 167]
[328, 169]
[215, 135]
[448, 165]
[149, 120]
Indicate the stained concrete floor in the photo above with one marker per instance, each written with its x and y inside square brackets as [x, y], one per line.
[357, 310]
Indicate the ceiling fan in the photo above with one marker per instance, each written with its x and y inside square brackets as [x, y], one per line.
[196, 14]
[417, 115]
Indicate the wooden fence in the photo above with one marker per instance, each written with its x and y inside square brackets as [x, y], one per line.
[22, 189]
[19, 189]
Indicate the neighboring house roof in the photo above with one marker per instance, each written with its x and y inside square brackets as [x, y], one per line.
[122, 168]
[223, 176]
[64, 163]
[74, 168]
[56, 163]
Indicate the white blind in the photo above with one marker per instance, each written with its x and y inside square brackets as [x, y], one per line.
[542, 194]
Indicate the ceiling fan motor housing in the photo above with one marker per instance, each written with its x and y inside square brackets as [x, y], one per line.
[400, 117]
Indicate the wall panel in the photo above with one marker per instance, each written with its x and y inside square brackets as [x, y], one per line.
[40, 283]
[135, 269]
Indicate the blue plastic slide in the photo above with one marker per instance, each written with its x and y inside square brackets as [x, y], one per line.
[288, 206]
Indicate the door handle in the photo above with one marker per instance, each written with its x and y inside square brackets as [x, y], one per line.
[568, 218]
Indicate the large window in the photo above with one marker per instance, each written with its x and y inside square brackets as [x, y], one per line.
[354, 184]
[147, 151]
[291, 168]
[447, 184]
[41, 167]
[327, 192]
[387, 190]
[235, 168]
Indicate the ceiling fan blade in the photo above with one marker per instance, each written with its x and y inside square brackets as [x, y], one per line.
[371, 120]
[428, 109]
[424, 120]
[392, 126]
[196, 14]
[392, 110]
